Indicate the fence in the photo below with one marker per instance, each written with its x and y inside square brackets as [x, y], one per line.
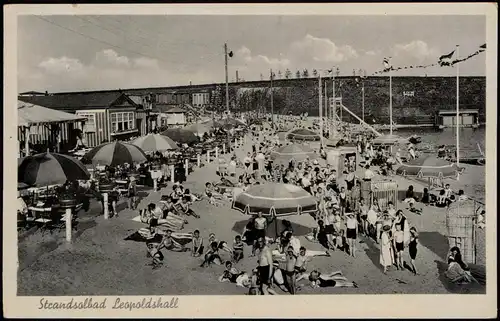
[461, 221]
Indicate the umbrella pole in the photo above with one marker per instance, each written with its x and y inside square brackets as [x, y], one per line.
[105, 204]
[68, 225]
[276, 226]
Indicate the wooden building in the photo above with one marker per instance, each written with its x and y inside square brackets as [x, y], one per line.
[109, 115]
[466, 118]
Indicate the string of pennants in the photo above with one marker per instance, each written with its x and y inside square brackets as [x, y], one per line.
[444, 60]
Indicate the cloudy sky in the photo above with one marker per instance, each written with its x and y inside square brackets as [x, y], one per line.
[65, 53]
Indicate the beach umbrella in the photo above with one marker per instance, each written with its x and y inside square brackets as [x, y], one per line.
[199, 129]
[303, 134]
[49, 169]
[155, 143]
[275, 199]
[430, 166]
[299, 153]
[115, 153]
[390, 140]
[228, 123]
[181, 136]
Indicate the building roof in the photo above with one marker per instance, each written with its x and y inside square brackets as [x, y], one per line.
[32, 93]
[79, 101]
[461, 111]
[30, 114]
[175, 110]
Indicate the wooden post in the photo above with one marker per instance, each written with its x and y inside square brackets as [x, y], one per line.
[216, 152]
[208, 157]
[27, 141]
[155, 183]
[172, 173]
[198, 160]
[106, 209]
[68, 224]
[186, 166]
[224, 148]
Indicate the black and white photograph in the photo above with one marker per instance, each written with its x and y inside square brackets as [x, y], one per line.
[169, 155]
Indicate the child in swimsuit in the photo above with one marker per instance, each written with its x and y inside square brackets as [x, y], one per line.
[238, 249]
[197, 244]
[155, 254]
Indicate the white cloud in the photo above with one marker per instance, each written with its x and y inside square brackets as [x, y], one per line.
[416, 50]
[110, 57]
[61, 65]
[144, 62]
[321, 50]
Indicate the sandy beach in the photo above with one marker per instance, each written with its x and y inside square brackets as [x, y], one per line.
[100, 262]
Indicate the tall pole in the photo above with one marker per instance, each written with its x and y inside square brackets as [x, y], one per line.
[363, 98]
[227, 82]
[320, 91]
[325, 108]
[390, 98]
[458, 110]
[334, 114]
[272, 101]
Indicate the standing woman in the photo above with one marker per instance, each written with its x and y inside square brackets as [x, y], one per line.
[412, 248]
[352, 228]
[386, 257]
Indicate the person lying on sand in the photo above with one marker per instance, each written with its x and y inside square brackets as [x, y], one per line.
[334, 279]
[231, 274]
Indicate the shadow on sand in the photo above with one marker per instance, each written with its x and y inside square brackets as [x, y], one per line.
[298, 229]
[435, 242]
[373, 252]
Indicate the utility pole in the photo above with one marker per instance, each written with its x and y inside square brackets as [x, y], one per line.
[320, 91]
[334, 116]
[227, 82]
[272, 101]
[237, 78]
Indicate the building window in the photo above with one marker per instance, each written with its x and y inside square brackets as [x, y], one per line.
[122, 121]
[89, 123]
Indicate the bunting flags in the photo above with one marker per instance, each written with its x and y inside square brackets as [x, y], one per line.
[445, 60]
[387, 65]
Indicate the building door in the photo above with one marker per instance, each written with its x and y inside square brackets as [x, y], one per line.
[138, 123]
[448, 120]
[467, 119]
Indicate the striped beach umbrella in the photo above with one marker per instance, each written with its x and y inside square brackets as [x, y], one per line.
[275, 199]
[155, 143]
[199, 129]
[115, 153]
[181, 135]
[296, 152]
[303, 134]
[228, 123]
[430, 166]
[49, 169]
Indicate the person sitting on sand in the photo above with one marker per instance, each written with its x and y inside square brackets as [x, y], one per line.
[198, 247]
[413, 209]
[442, 200]
[458, 272]
[238, 246]
[155, 254]
[185, 209]
[231, 274]
[170, 244]
[212, 256]
[334, 279]
[428, 198]
[410, 195]
[212, 195]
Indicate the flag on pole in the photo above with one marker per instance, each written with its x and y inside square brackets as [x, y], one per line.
[230, 54]
[482, 47]
[445, 60]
